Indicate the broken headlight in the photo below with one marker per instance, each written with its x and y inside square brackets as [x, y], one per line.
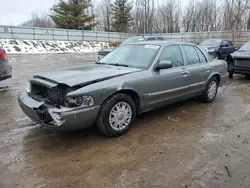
[84, 101]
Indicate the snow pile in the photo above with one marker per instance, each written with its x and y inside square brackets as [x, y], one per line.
[34, 46]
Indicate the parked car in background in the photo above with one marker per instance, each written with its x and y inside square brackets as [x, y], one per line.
[134, 39]
[5, 67]
[218, 48]
[239, 61]
[132, 79]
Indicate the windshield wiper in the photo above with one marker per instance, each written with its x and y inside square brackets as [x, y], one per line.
[100, 63]
[118, 64]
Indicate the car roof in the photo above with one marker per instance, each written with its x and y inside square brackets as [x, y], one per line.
[161, 42]
[146, 36]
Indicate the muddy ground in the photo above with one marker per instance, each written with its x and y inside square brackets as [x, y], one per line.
[189, 144]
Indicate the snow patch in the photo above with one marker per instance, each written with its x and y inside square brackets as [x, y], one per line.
[44, 46]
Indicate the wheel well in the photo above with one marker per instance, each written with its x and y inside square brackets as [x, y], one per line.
[217, 76]
[133, 95]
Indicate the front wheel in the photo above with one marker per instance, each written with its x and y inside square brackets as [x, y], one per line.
[210, 91]
[117, 115]
[231, 75]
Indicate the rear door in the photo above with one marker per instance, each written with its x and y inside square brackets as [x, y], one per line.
[198, 68]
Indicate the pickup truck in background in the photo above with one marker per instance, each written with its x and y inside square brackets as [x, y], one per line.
[239, 61]
[218, 48]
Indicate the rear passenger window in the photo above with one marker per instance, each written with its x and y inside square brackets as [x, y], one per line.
[192, 56]
[230, 43]
[201, 55]
[151, 38]
[160, 38]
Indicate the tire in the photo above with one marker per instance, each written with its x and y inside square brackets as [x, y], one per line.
[206, 97]
[217, 56]
[105, 114]
[231, 75]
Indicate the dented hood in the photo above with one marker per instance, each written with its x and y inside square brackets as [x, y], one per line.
[85, 75]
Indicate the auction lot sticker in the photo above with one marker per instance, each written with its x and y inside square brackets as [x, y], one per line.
[152, 46]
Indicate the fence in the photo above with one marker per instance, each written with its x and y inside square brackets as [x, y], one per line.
[238, 37]
[28, 33]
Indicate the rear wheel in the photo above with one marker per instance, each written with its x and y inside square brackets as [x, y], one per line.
[117, 115]
[210, 91]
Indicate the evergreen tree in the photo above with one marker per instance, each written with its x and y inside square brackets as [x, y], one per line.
[71, 15]
[122, 15]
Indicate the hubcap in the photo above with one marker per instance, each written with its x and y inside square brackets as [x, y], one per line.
[120, 116]
[212, 89]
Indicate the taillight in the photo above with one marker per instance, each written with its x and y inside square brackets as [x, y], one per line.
[3, 55]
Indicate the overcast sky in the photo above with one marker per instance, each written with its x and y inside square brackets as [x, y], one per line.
[14, 12]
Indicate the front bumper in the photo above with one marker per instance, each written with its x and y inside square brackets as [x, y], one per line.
[65, 119]
[239, 70]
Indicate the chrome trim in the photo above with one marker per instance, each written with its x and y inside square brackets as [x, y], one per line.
[197, 84]
[166, 91]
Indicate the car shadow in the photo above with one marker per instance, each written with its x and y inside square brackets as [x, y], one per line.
[52, 140]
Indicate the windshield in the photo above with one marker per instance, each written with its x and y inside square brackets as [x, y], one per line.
[245, 47]
[133, 40]
[210, 42]
[137, 56]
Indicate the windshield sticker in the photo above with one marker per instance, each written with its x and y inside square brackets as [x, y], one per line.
[152, 46]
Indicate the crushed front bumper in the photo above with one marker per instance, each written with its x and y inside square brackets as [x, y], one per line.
[65, 119]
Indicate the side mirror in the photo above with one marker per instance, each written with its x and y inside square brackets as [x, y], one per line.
[164, 65]
[221, 46]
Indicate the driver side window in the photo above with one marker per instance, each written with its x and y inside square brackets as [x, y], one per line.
[173, 54]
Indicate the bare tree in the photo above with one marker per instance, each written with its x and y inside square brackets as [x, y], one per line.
[39, 20]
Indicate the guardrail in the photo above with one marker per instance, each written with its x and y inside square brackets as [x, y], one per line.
[33, 33]
[238, 37]
[28, 33]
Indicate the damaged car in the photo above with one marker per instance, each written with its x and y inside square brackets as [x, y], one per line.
[239, 61]
[132, 79]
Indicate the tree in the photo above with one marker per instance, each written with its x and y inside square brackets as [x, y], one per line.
[71, 15]
[122, 15]
[248, 22]
[104, 12]
[39, 20]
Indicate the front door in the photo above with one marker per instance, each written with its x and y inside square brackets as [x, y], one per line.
[198, 68]
[169, 85]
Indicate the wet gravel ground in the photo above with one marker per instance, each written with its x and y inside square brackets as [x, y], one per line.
[189, 144]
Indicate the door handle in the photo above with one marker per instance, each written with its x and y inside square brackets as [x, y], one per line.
[185, 73]
[208, 69]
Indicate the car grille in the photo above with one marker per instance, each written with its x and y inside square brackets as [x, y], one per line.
[242, 63]
[43, 93]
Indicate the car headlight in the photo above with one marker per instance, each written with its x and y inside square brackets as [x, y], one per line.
[28, 87]
[76, 101]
